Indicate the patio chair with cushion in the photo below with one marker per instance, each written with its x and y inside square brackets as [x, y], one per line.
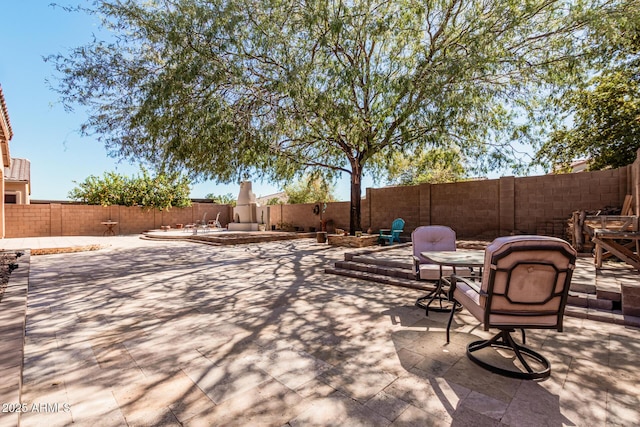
[393, 234]
[525, 286]
[430, 238]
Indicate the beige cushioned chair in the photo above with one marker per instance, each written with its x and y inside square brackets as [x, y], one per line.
[429, 238]
[524, 286]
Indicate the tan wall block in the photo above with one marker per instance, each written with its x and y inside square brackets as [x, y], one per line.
[28, 220]
[43, 220]
[485, 208]
[389, 203]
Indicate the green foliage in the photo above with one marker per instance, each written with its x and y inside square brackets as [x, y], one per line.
[224, 199]
[160, 191]
[602, 117]
[433, 166]
[274, 201]
[226, 89]
[606, 124]
[309, 189]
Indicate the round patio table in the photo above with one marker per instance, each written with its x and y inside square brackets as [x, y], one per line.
[456, 259]
[109, 231]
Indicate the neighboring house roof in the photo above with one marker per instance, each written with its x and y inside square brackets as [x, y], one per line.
[579, 165]
[575, 166]
[19, 171]
[6, 133]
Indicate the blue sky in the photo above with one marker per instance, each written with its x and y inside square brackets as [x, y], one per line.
[43, 132]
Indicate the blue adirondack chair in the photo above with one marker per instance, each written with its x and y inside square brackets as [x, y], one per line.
[393, 234]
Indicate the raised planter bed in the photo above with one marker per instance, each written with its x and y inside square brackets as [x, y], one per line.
[353, 241]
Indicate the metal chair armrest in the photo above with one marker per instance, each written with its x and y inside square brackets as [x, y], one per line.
[471, 283]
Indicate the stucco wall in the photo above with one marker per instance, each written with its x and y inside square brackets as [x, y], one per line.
[21, 189]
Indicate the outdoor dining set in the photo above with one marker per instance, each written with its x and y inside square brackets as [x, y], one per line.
[517, 282]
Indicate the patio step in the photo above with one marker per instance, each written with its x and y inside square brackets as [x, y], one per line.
[380, 278]
[382, 262]
[395, 268]
[580, 299]
[378, 269]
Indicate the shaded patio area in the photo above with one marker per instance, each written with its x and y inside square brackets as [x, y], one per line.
[175, 333]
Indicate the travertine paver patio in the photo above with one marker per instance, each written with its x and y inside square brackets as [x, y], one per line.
[176, 333]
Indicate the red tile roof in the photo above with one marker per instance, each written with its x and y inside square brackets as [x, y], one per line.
[6, 133]
[4, 117]
[19, 171]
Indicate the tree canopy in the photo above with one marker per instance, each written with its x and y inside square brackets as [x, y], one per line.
[602, 117]
[225, 89]
[160, 191]
[605, 124]
[309, 189]
[433, 166]
[222, 199]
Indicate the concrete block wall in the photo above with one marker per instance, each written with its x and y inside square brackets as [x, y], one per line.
[55, 219]
[176, 216]
[474, 209]
[29, 221]
[302, 216]
[82, 220]
[470, 208]
[546, 199]
[486, 208]
[388, 203]
[338, 213]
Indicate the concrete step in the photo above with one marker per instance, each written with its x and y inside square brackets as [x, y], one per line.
[602, 316]
[382, 270]
[580, 299]
[400, 263]
[395, 267]
[380, 278]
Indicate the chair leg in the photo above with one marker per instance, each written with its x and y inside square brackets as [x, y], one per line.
[453, 311]
[503, 340]
[430, 297]
[437, 293]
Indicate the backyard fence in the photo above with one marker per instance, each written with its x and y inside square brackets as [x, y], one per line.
[484, 208]
[60, 219]
[474, 209]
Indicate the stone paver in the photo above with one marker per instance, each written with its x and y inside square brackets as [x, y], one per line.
[176, 333]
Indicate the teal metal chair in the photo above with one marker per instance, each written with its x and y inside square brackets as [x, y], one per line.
[393, 234]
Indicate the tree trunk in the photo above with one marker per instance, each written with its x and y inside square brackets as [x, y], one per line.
[356, 199]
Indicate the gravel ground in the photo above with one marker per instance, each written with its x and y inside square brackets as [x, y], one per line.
[7, 265]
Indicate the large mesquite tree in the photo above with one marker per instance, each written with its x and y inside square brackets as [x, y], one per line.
[226, 89]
